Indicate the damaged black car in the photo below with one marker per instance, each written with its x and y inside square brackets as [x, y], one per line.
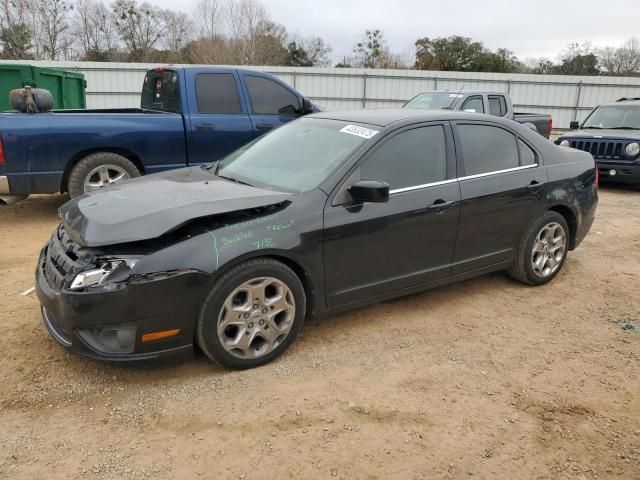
[330, 212]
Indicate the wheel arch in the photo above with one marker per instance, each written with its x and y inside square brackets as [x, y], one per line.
[571, 219]
[310, 288]
[128, 154]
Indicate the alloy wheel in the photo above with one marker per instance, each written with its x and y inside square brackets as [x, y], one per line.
[104, 175]
[548, 249]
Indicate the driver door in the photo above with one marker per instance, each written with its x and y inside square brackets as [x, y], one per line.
[375, 248]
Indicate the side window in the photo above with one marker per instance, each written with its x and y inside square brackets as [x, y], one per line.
[270, 98]
[217, 93]
[487, 149]
[527, 156]
[473, 103]
[413, 157]
[497, 105]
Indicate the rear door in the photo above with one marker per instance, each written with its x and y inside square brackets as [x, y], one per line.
[271, 102]
[218, 123]
[502, 187]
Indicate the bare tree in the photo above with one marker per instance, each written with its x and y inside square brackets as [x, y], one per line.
[178, 32]
[247, 22]
[52, 28]
[209, 16]
[624, 60]
[94, 30]
[140, 27]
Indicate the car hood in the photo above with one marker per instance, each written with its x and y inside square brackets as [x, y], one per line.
[150, 206]
[604, 133]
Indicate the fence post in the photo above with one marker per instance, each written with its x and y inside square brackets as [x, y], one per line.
[575, 111]
[295, 77]
[364, 90]
[435, 82]
[509, 87]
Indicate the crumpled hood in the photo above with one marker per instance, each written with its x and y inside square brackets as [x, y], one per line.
[150, 206]
[604, 133]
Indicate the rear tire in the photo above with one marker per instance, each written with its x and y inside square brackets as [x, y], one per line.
[542, 250]
[99, 170]
[252, 314]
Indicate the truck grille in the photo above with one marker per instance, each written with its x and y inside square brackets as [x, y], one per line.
[605, 149]
[63, 258]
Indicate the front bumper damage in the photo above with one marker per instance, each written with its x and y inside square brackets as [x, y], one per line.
[109, 325]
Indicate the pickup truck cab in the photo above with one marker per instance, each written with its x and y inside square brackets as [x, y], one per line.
[498, 104]
[611, 134]
[187, 116]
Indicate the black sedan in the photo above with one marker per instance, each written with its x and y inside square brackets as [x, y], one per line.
[330, 212]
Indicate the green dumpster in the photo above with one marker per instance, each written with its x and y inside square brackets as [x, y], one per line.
[67, 88]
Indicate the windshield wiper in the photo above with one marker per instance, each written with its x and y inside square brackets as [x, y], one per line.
[232, 179]
[624, 128]
[593, 127]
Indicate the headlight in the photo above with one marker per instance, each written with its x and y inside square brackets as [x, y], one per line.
[565, 143]
[632, 149]
[109, 270]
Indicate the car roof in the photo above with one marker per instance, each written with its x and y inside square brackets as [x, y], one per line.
[622, 103]
[386, 116]
[465, 92]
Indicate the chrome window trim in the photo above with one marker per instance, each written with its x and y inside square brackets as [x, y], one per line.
[424, 185]
[496, 172]
[468, 177]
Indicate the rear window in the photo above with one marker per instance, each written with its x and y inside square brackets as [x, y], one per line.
[161, 91]
[217, 93]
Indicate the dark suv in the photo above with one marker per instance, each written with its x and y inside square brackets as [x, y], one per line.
[611, 133]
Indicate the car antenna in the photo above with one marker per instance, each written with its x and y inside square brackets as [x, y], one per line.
[455, 97]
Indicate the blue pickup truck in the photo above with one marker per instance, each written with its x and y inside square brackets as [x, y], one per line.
[187, 116]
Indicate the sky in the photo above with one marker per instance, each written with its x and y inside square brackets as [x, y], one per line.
[531, 28]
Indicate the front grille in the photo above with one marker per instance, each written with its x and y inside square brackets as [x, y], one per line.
[601, 149]
[63, 258]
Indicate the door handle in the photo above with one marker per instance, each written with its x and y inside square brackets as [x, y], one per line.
[264, 126]
[205, 126]
[534, 185]
[441, 205]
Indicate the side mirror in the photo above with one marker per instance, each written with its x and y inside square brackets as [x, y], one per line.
[307, 106]
[574, 125]
[370, 191]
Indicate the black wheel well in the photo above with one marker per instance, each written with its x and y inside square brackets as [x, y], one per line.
[132, 157]
[570, 217]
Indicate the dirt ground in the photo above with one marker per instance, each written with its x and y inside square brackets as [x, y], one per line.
[483, 379]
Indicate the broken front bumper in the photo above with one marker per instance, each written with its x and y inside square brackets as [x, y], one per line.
[110, 325]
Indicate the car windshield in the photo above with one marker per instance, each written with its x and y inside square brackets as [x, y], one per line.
[614, 117]
[296, 157]
[433, 100]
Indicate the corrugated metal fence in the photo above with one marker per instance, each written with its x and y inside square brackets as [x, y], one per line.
[565, 97]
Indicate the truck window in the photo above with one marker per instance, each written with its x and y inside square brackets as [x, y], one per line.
[217, 93]
[161, 91]
[473, 103]
[497, 105]
[270, 98]
[487, 149]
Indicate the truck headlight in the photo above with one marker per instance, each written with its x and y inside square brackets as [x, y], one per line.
[565, 143]
[109, 270]
[632, 149]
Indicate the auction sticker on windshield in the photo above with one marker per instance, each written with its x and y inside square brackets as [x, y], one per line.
[359, 131]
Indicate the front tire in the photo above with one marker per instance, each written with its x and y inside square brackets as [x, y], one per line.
[99, 170]
[252, 314]
[542, 250]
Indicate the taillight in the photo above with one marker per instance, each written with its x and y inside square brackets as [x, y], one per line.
[2, 157]
[550, 123]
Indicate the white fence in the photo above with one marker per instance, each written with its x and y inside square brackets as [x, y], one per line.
[565, 97]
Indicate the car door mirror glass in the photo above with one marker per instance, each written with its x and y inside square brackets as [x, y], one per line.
[370, 191]
[307, 106]
[574, 125]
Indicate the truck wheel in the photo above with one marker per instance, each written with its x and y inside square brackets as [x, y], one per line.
[542, 250]
[252, 314]
[99, 170]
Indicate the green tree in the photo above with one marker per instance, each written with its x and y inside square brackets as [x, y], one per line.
[578, 59]
[297, 56]
[370, 49]
[453, 53]
[16, 41]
